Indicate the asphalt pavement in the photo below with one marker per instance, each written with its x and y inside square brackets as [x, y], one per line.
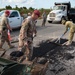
[50, 30]
[66, 63]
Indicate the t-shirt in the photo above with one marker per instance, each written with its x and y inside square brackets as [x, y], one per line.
[3, 22]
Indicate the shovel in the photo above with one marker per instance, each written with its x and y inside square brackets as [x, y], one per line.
[58, 40]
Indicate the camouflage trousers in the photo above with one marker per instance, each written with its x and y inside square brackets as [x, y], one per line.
[43, 22]
[28, 49]
[4, 37]
[71, 35]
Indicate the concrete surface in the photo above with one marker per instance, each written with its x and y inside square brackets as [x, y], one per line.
[63, 61]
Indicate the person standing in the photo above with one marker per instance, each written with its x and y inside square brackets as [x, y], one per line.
[4, 27]
[69, 26]
[44, 17]
[29, 15]
[26, 34]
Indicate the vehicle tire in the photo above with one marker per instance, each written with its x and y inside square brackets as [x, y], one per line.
[49, 21]
[63, 18]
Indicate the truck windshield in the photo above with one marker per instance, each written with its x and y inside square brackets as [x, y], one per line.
[58, 7]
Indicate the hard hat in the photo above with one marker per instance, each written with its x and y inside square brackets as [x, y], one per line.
[37, 12]
[7, 12]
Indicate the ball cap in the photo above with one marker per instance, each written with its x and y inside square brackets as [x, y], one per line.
[7, 12]
[37, 12]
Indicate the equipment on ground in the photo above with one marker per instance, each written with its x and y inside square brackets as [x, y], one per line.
[58, 40]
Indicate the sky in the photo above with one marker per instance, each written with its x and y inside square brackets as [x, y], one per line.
[37, 4]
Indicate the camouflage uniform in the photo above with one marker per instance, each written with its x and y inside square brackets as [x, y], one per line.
[71, 26]
[26, 35]
[44, 18]
[4, 31]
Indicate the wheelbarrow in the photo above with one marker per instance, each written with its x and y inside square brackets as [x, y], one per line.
[8, 67]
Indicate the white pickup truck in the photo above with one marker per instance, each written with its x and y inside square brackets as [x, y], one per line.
[15, 19]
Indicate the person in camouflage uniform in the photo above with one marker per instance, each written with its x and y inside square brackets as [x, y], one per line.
[27, 32]
[44, 16]
[4, 27]
[69, 26]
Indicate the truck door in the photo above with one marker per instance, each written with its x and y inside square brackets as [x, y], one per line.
[14, 19]
[65, 10]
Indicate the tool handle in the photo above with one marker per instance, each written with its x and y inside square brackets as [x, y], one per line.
[61, 35]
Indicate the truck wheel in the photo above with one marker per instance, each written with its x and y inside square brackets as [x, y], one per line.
[62, 20]
[49, 21]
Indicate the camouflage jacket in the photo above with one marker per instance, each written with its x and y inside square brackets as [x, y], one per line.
[27, 29]
[3, 22]
[70, 25]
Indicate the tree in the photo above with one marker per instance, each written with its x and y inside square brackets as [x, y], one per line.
[24, 8]
[8, 7]
[16, 7]
[31, 8]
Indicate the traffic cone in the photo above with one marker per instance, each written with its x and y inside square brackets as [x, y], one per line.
[9, 36]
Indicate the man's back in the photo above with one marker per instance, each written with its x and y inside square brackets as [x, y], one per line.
[71, 25]
[3, 22]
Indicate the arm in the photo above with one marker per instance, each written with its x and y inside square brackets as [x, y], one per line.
[66, 28]
[23, 31]
[34, 30]
[7, 24]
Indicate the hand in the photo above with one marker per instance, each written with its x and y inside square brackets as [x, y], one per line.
[0, 32]
[26, 43]
[34, 35]
[10, 29]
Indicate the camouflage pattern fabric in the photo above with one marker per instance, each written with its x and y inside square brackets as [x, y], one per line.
[3, 31]
[44, 16]
[26, 35]
[4, 21]
[4, 37]
[71, 26]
